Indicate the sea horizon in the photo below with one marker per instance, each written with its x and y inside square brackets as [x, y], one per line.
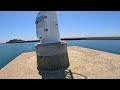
[10, 51]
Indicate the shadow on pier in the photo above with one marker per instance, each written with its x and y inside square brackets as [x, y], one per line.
[66, 74]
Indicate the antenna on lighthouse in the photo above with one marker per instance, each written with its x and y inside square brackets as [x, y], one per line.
[51, 53]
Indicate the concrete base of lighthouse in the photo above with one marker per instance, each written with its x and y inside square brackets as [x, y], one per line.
[52, 59]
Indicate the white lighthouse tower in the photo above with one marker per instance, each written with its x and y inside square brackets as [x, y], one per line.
[52, 55]
[47, 27]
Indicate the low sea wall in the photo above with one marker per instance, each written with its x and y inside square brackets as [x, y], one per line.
[84, 64]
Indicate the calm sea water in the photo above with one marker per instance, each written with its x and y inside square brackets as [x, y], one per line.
[10, 51]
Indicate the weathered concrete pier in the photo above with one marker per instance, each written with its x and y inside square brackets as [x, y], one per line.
[84, 64]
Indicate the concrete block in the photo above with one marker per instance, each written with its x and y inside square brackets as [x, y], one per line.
[52, 57]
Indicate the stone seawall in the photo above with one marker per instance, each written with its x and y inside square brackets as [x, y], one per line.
[84, 64]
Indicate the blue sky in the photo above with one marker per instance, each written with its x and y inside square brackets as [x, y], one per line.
[21, 24]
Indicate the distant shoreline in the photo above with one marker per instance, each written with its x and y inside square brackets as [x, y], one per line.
[93, 38]
[85, 38]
